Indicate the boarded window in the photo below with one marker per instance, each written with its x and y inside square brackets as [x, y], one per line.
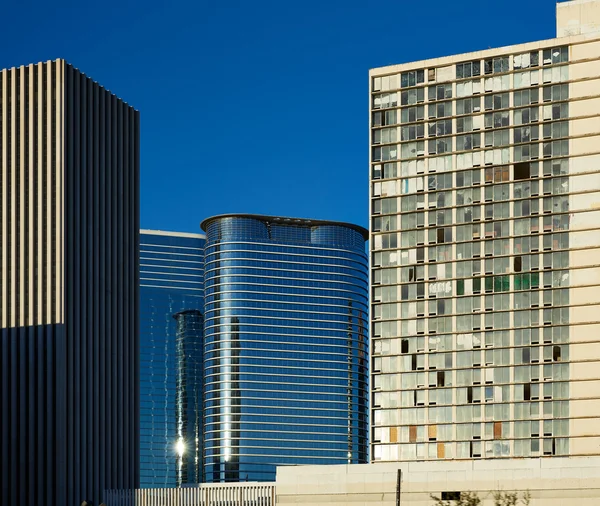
[497, 430]
[412, 434]
[393, 434]
[441, 451]
[432, 430]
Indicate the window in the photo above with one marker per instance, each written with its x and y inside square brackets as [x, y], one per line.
[466, 124]
[556, 130]
[556, 353]
[496, 119]
[385, 153]
[526, 134]
[496, 175]
[439, 92]
[496, 65]
[467, 88]
[526, 60]
[468, 69]
[385, 136]
[555, 111]
[526, 115]
[526, 97]
[468, 105]
[439, 146]
[412, 78]
[555, 92]
[556, 148]
[431, 75]
[556, 55]
[443, 127]
[412, 434]
[412, 114]
[469, 141]
[440, 110]
[385, 83]
[412, 132]
[412, 149]
[497, 83]
[441, 378]
[527, 78]
[517, 264]
[390, 117]
[377, 119]
[497, 138]
[450, 496]
[385, 100]
[497, 101]
[385, 118]
[555, 74]
[413, 96]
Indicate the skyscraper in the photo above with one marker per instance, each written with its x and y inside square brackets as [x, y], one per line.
[69, 215]
[171, 345]
[485, 237]
[285, 356]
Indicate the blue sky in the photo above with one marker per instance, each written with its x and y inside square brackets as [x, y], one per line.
[255, 106]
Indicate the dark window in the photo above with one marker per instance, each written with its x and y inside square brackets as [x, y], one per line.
[441, 379]
[450, 496]
[518, 264]
[522, 171]
[556, 353]
[404, 346]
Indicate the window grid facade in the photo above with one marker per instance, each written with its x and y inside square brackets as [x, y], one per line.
[473, 202]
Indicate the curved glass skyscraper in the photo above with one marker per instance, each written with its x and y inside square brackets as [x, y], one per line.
[286, 345]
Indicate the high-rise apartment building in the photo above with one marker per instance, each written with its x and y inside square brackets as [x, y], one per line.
[285, 356]
[69, 218]
[485, 248]
[171, 347]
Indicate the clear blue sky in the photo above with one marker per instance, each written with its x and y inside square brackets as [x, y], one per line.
[255, 106]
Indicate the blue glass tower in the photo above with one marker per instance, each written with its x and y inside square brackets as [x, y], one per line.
[286, 345]
[171, 304]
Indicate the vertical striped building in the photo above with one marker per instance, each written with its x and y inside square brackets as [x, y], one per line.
[69, 218]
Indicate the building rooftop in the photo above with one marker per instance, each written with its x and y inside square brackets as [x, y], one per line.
[307, 222]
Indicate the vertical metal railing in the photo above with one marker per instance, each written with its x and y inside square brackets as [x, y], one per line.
[230, 494]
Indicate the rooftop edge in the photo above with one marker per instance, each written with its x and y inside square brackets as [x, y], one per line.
[287, 221]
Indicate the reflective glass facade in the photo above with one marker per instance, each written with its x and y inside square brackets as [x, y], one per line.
[286, 345]
[171, 300]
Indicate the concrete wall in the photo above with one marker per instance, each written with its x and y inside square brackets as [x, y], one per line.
[577, 17]
[551, 482]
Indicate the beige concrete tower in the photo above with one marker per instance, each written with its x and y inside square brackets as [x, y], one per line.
[485, 250]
